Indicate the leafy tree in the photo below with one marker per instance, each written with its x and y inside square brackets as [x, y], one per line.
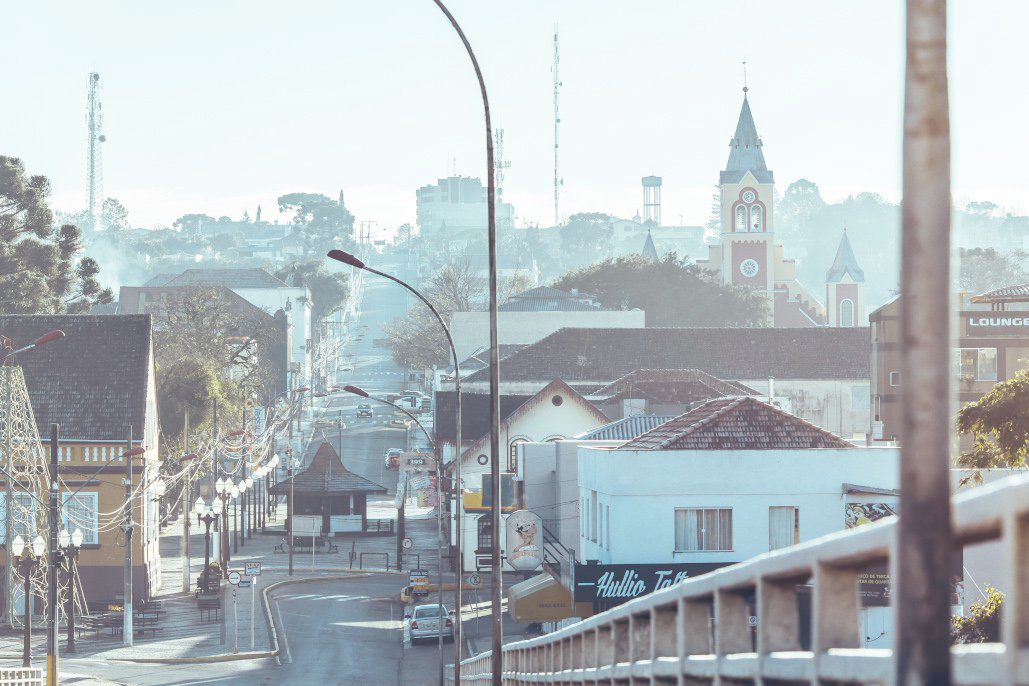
[324, 223]
[584, 231]
[982, 624]
[634, 282]
[999, 424]
[192, 223]
[39, 269]
[187, 384]
[801, 200]
[983, 269]
[113, 215]
[329, 290]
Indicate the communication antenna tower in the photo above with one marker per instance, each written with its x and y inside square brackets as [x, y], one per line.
[94, 125]
[557, 121]
[500, 164]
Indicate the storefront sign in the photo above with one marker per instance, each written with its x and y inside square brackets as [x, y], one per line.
[524, 540]
[996, 324]
[614, 584]
[418, 579]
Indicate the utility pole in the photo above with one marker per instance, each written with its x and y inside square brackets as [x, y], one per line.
[557, 122]
[54, 561]
[127, 588]
[9, 498]
[185, 510]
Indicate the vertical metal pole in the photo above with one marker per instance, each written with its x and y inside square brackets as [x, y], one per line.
[127, 570]
[26, 569]
[458, 491]
[289, 513]
[185, 510]
[9, 497]
[53, 554]
[243, 477]
[73, 552]
[925, 548]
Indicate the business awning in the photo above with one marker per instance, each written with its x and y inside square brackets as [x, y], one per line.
[541, 598]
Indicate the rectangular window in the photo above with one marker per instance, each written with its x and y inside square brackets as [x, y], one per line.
[593, 517]
[79, 511]
[24, 515]
[894, 378]
[783, 526]
[977, 364]
[703, 529]
[608, 510]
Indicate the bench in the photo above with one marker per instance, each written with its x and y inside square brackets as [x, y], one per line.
[209, 604]
[143, 622]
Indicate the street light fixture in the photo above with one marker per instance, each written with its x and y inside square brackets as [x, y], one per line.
[207, 516]
[69, 547]
[27, 558]
[458, 490]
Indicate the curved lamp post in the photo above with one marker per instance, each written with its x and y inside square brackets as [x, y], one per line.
[353, 261]
[439, 509]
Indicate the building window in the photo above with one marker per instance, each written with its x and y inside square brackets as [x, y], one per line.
[607, 511]
[977, 364]
[894, 378]
[512, 455]
[23, 514]
[783, 526]
[703, 529]
[846, 312]
[484, 538]
[79, 511]
[756, 223]
[593, 517]
[741, 218]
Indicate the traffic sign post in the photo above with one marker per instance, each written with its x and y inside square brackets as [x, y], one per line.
[474, 580]
[235, 578]
[252, 568]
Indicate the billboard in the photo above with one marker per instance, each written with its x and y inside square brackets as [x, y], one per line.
[608, 585]
[524, 540]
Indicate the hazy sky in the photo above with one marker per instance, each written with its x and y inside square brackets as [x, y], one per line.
[217, 107]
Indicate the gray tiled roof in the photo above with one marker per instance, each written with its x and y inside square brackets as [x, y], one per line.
[93, 382]
[745, 151]
[603, 355]
[627, 428]
[159, 280]
[1016, 293]
[844, 263]
[546, 305]
[230, 278]
[475, 414]
[741, 423]
[670, 385]
[327, 475]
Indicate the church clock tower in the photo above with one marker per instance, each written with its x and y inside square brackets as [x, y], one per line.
[746, 198]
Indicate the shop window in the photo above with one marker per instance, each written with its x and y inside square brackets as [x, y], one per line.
[703, 529]
[783, 526]
[977, 364]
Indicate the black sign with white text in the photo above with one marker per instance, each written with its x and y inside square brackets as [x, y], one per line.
[997, 324]
[609, 585]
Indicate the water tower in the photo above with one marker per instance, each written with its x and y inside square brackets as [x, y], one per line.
[652, 200]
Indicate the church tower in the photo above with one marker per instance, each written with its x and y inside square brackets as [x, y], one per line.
[746, 199]
[845, 289]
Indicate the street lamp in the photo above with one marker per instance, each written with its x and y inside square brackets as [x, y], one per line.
[353, 261]
[439, 511]
[69, 546]
[291, 466]
[27, 558]
[186, 461]
[207, 516]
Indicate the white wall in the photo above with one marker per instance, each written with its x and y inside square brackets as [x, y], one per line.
[828, 403]
[471, 329]
[643, 489]
[274, 299]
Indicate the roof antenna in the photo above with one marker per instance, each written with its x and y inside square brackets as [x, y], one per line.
[745, 89]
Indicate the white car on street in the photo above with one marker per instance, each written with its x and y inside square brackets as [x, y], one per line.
[425, 623]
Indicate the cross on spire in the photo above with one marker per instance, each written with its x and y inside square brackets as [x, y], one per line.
[745, 89]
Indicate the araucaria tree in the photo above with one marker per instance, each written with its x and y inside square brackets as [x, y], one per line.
[41, 270]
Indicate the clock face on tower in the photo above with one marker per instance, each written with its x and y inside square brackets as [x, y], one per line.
[748, 196]
[749, 268]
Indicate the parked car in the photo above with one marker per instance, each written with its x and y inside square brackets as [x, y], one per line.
[364, 410]
[425, 623]
[392, 458]
[400, 423]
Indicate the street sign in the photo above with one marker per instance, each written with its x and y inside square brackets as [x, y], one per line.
[245, 582]
[252, 568]
[234, 578]
[407, 543]
[474, 579]
[419, 581]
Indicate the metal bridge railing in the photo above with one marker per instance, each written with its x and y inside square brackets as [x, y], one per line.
[698, 632]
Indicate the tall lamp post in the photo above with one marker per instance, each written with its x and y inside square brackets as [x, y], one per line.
[129, 453]
[347, 258]
[439, 515]
[27, 559]
[70, 545]
[186, 460]
[207, 517]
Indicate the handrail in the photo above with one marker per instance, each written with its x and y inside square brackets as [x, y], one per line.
[699, 628]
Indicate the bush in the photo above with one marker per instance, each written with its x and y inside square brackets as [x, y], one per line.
[982, 623]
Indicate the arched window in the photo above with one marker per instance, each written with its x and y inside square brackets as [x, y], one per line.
[756, 220]
[846, 312]
[741, 218]
[512, 455]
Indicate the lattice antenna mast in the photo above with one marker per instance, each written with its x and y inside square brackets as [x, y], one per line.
[500, 163]
[94, 126]
[557, 122]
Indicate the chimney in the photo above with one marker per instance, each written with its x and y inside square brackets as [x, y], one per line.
[771, 390]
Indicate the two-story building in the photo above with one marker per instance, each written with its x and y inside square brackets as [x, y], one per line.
[98, 383]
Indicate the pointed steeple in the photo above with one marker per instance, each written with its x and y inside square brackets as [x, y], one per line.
[745, 150]
[845, 263]
[649, 249]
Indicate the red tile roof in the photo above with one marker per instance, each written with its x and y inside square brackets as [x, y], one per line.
[736, 423]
